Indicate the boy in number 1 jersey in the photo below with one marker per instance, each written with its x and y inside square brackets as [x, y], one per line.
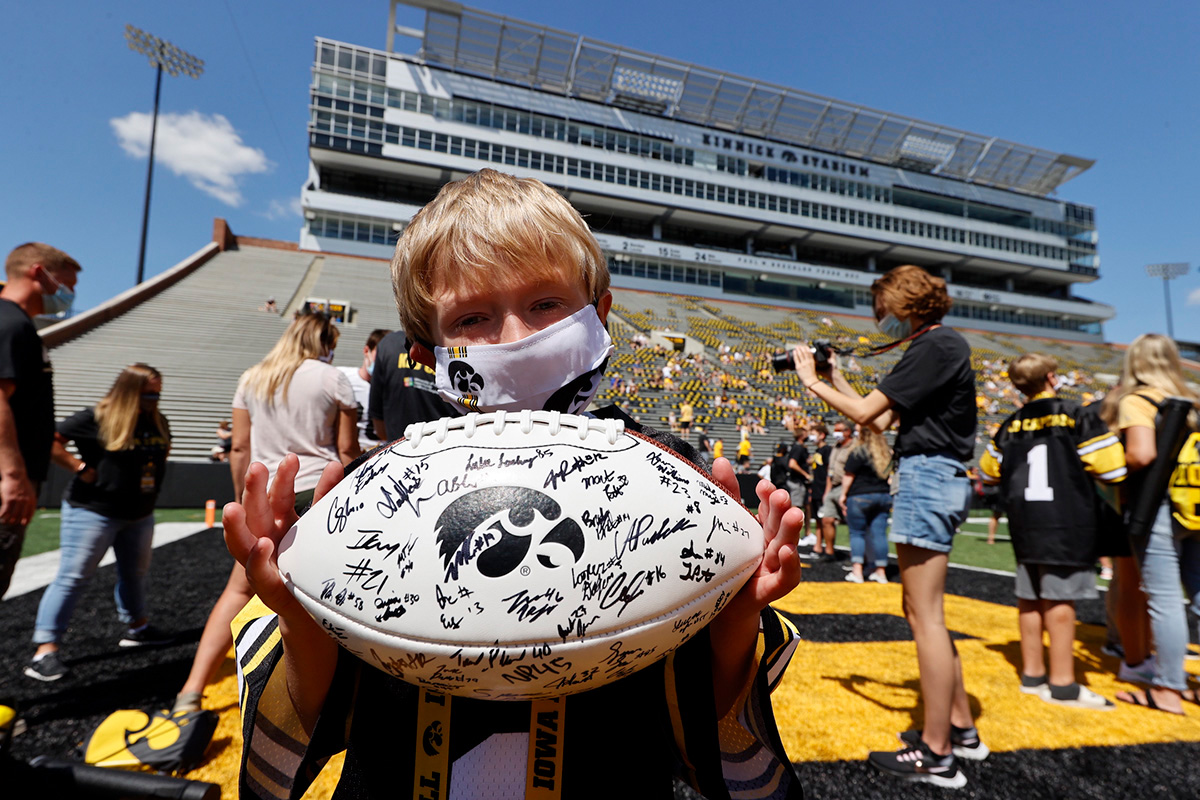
[1046, 458]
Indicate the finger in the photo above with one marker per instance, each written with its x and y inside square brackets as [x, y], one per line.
[254, 501]
[282, 493]
[782, 519]
[239, 540]
[331, 476]
[722, 472]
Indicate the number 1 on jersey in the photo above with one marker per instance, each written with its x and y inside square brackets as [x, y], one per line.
[1038, 486]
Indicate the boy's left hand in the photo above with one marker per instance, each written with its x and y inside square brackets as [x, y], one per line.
[779, 571]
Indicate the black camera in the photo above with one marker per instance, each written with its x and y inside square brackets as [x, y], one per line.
[821, 350]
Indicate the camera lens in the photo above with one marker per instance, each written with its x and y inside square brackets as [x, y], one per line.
[783, 362]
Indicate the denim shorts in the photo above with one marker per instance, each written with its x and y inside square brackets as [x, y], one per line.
[931, 500]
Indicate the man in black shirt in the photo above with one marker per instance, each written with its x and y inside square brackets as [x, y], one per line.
[402, 391]
[799, 477]
[41, 280]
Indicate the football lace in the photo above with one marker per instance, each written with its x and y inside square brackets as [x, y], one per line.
[526, 420]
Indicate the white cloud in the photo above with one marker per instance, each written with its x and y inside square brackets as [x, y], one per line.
[204, 149]
[1194, 298]
[279, 210]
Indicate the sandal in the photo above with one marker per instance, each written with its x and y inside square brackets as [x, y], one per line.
[1190, 696]
[1144, 700]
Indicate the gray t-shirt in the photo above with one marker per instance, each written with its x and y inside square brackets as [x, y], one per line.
[305, 425]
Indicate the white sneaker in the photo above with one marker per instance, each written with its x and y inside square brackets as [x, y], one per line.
[1086, 699]
[854, 577]
[808, 541]
[1139, 673]
[875, 576]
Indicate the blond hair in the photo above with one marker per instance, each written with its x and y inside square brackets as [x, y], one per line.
[1028, 372]
[26, 255]
[910, 291]
[309, 336]
[117, 412]
[876, 448]
[1152, 361]
[490, 230]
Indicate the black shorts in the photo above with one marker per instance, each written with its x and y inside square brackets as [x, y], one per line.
[743, 459]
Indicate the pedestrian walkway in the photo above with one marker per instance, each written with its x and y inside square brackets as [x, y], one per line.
[34, 572]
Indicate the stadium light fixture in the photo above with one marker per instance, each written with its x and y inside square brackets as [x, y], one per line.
[163, 56]
[1168, 272]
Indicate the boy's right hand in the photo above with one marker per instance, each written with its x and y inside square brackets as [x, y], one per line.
[254, 528]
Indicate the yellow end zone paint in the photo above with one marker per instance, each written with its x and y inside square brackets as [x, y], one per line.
[838, 701]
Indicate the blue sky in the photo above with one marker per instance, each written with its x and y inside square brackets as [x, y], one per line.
[1114, 82]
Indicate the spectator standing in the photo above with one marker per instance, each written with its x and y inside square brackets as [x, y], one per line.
[1045, 458]
[686, 415]
[866, 500]
[360, 382]
[702, 442]
[931, 393]
[41, 280]
[123, 444]
[1171, 553]
[743, 454]
[799, 477]
[718, 450]
[819, 466]
[830, 510]
[294, 409]
[402, 391]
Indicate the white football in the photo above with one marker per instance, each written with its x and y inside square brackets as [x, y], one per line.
[519, 556]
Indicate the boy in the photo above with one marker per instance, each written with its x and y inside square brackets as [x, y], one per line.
[1045, 457]
[494, 261]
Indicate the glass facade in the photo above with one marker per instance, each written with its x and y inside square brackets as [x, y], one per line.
[352, 111]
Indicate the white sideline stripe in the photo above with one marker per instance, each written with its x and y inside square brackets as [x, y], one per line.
[34, 572]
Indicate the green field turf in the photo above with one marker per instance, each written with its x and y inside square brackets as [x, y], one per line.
[42, 533]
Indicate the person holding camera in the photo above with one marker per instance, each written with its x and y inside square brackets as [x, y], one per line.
[931, 393]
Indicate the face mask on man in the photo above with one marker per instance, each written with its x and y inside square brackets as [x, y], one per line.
[812, 437]
[556, 369]
[59, 302]
[838, 436]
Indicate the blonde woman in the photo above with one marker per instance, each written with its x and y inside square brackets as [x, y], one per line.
[1171, 553]
[866, 501]
[291, 402]
[122, 444]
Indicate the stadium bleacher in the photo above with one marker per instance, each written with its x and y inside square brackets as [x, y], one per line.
[203, 331]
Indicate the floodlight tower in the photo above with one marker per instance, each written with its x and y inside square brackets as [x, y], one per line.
[162, 55]
[1167, 272]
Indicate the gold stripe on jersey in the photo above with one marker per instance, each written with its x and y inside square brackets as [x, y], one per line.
[1104, 458]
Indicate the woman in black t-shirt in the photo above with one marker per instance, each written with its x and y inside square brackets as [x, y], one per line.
[122, 445]
[866, 501]
[931, 394]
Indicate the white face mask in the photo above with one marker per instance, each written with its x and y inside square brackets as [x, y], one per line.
[556, 369]
[838, 436]
[812, 437]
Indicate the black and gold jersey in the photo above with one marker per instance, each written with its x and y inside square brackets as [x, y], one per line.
[1046, 458]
